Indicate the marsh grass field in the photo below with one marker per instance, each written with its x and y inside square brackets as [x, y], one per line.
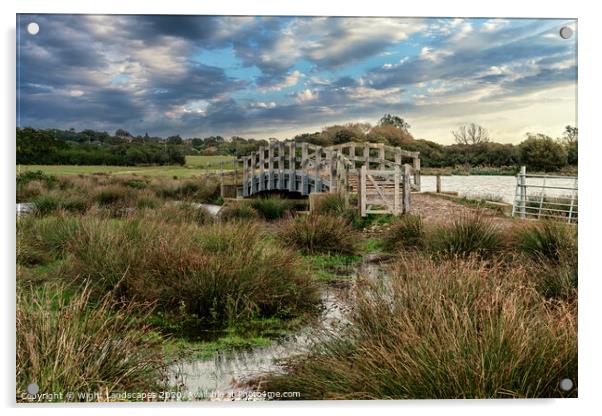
[120, 276]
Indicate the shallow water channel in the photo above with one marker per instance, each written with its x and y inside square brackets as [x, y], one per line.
[226, 376]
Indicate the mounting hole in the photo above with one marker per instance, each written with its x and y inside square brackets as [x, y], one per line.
[566, 384]
[566, 32]
[33, 28]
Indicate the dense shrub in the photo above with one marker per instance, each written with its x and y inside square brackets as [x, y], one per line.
[214, 272]
[238, 211]
[456, 329]
[466, 235]
[272, 208]
[405, 232]
[547, 240]
[319, 234]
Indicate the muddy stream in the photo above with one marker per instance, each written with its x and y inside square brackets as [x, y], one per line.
[226, 376]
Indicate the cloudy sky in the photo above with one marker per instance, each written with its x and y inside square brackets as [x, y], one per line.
[279, 76]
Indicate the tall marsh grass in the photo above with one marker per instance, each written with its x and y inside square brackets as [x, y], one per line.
[65, 345]
[460, 328]
[319, 234]
[215, 272]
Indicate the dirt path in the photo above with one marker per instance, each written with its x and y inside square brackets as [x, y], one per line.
[438, 210]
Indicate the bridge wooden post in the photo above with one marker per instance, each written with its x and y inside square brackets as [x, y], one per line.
[270, 166]
[261, 168]
[406, 188]
[332, 170]
[292, 160]
[352, 153]
[367, 155]
[252, 173]
[318, 178]
[362, 198]
[381, 155]
[281, 165]
[304, 163]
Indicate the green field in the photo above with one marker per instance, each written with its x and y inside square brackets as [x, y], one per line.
[194, 166]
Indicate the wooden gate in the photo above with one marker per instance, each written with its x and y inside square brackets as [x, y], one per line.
[384, 191]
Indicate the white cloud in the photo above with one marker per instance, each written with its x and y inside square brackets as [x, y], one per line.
[290, 80]
[427, 53]
[263, 105]
[307, 95]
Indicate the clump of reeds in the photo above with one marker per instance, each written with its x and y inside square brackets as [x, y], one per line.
[216, 272]
[319, 234]
[64, 344]
[405, 232]
[457, 328]
[466, 235]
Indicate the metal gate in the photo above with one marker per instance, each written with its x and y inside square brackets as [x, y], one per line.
[384, 191]
[546, 196]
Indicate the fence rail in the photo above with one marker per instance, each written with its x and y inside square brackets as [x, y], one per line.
[554, 197]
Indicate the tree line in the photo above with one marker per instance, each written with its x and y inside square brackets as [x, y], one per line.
[473, 146]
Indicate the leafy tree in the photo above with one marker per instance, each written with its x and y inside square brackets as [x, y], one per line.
[541, 152]
[390, 135]
[395, 121]
[174, 139]
[469, 134]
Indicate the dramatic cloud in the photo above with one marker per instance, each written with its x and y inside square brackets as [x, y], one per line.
[278, 76]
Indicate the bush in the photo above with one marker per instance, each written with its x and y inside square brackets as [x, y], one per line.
[112, 196]
[547, 240]
[46, 204]
[450, 330]
[469, 234]
[405, 232]
[238, 211]
[63, 345]
[320, 234]
[213, 272]
[542, 153]
[271, 208]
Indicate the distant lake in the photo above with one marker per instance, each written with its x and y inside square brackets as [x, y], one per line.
[500, 186]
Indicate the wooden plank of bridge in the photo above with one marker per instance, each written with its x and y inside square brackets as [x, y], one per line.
[292, 176]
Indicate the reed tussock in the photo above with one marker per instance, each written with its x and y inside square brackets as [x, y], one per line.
[459, 328]
[66, 345]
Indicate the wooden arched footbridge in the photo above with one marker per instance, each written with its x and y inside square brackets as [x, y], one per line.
[382, 176]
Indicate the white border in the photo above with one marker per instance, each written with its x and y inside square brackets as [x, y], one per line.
[590, 289]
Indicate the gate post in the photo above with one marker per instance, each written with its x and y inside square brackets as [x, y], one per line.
[397, 174]
[406, 188]
[522, 183]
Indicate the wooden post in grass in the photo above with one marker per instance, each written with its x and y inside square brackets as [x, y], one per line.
[362, 179]
[438, 184]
